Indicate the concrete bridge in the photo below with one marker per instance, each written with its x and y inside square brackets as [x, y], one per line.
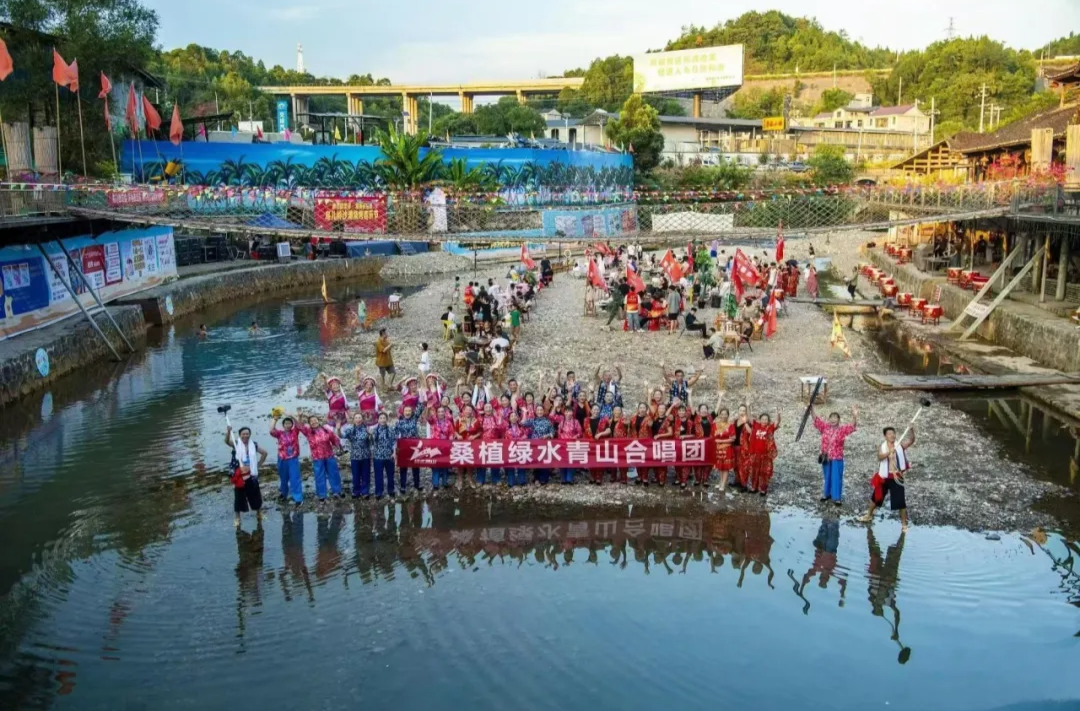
[409, 93]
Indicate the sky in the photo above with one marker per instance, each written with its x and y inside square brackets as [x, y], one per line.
[434, 42]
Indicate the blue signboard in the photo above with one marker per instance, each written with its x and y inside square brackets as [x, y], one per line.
[282, 115]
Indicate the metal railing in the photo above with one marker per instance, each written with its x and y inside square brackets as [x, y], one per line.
[508, 216]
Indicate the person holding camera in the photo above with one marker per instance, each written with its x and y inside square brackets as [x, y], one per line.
[831, 457]
[244, 472]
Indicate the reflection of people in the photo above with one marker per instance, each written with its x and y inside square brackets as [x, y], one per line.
[884, 578]
[249, 552]
[292, 549]
[825, 546]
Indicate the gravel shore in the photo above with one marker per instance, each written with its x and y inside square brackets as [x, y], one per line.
[961, 477]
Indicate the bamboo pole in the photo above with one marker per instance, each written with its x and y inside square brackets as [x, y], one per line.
[82, 136]
[7, 156]
[59, 163]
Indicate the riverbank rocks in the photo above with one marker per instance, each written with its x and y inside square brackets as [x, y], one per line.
[424, 263]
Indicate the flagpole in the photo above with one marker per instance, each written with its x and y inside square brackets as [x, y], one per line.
[59, 163]
[112, 143]
[82, 137]
[7, 156]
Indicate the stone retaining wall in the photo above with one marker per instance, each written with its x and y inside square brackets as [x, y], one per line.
[71, 344]
[1053, 342]
[196, 293]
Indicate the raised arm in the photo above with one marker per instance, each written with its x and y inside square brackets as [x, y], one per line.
[228, 436]
[694, 378]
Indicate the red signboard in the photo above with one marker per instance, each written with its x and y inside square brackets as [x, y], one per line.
[363, 214]
[555, 453]
[134, 198]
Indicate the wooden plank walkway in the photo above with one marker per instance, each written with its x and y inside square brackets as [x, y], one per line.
[836, 302]
[969, 382]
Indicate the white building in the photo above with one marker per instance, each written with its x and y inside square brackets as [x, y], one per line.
[862, 114]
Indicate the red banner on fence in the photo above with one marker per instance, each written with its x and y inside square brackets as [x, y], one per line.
[555, 453]
[134, 198]
[364, 214]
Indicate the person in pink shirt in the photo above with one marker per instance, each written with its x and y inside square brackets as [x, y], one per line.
[491, 426]
[323, 441]
[288, 459]
[515, 431]
[440, 426]
[569, 428]
[335, 399]
[833, 435]
[368, 400]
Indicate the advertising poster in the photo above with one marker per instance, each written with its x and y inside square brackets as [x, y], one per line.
[116, 263]
[114, 272]
[57, 291]
[93, 266]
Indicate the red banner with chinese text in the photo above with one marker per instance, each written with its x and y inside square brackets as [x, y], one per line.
[555, 453]
[134, 198]
[361, 214]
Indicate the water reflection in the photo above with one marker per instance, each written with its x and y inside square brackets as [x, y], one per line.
[883, 577]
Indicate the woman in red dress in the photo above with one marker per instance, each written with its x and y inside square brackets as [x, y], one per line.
[621, 429]
[723, 432]
[335, 400]
[791, 281]
[762, 452]
[664, 428]
[599, 428]
[368, 400]
[641, 427]
[468, 427]
[684, 426]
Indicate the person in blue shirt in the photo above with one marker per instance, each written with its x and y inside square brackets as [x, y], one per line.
[541, 427]
[408, 427]
[383, 444]
[358, 438]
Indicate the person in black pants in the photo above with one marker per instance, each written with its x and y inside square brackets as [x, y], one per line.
[692, 323]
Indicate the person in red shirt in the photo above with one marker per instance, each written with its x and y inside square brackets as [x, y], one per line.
[602, 428]
[684, 426]
[723, 432]
[569, 428]
[704, 423]
[323, 441]
[762, 452]
[469, 428]
[641, 427]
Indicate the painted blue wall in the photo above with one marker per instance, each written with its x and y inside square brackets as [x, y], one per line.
[354, 167]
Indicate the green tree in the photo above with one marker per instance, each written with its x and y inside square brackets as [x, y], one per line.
[829, 167]
[401, 165]
[1066, 46]
[111, 36]
[775, 42]
[508, 116]
[953, 72]
[608, 82]
[757, 103]
[638, 128]
[572, 103]
[831, 100]
[456, 124]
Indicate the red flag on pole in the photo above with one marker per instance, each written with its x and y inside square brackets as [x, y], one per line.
[202, 130]
[64, 75]
[770, 318]
[634, 280]
[6, 65]
[153, 118]
[176, 128]
[743, 273]
[525, 258]
[595, 277]
[780, 243]
[671, 267]
[131, 112]
[259, 135]
[106, 87]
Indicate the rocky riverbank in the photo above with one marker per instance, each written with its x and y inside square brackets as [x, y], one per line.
[961, 478]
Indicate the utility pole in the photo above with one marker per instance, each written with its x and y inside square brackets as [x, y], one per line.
[933, 116]
[982, 106]
[430, 104]
[900, 92]
[950, 31]
[915, 130]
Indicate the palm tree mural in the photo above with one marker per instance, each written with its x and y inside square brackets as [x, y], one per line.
[401, 164]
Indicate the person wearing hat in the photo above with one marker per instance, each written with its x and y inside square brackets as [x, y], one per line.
[369, 402]
[335, 400]
[288, 459]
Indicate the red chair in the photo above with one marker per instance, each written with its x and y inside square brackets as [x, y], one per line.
[978, 281]
[965, 279]
[903, 300]
[917, 306]
[932, 312]
[952, 275]
[905, 255]
[889, 290]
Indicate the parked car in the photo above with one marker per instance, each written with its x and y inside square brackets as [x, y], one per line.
[798, 167]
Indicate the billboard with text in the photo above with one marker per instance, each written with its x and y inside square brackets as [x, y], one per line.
[688, 69]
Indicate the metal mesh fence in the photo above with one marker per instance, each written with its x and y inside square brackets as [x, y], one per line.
[494, 216]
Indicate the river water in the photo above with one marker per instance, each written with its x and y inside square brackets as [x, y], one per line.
[123, 584]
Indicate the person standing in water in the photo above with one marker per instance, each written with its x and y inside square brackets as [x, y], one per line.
[253, 329]
[322, 440]
[361, 314]
[247, 456]
[288, 460]
[889, 480]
